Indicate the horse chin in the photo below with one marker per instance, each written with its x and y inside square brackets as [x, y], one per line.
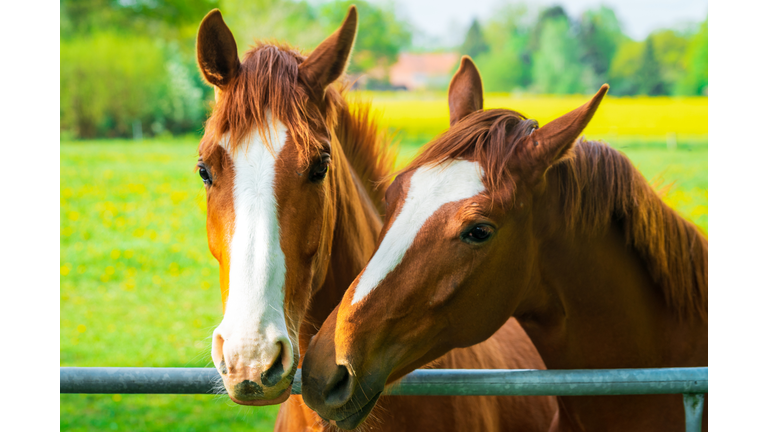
[262, 402]
[354, 420]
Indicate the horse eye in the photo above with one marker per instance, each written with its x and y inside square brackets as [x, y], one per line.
[479, 233]
[205, 175]
[320, 169]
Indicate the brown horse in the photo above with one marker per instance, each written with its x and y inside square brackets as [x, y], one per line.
[290, 171]
[497, 218]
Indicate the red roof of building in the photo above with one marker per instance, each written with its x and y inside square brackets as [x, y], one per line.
[418, 71]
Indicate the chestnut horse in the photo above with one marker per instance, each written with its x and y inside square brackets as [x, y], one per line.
[497, 218]
[290, 172]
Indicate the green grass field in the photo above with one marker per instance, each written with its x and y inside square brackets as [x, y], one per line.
[139, 287]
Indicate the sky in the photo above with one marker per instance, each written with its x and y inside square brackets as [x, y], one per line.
[444, 22]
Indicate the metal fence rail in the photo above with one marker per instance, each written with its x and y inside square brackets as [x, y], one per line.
[691, 382]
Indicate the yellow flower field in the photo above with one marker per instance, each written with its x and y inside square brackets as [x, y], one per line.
[626, 116]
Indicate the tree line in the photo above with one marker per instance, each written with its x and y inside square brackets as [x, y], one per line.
[548, 52]
[129, 67]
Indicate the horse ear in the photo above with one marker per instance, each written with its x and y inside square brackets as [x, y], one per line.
[216, 50]
[465, 94]
[552, 141]
[329, 60]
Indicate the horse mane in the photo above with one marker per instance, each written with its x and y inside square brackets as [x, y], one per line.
[267, 90]
[597, 186]
[370, 151]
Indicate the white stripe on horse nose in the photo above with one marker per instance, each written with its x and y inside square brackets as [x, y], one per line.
[431, 187]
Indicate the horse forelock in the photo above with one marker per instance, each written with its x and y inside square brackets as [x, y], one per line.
[488, 137]
[266, 90]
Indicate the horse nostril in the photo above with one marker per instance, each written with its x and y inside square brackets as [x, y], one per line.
[223, 367]
[340, 387]
[274, 374]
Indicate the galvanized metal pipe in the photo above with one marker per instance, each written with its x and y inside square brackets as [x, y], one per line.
[577, 382]
[434, 382]
[128, 380]
[694, 411]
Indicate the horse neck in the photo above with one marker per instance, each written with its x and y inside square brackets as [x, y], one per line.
[596, 305]
[355, 231]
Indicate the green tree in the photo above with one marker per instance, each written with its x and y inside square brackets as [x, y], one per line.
[556, 65]
[636, 70]
[670, 47]
[167, 18]
[553, 13]
[649, 73]
[474, 43]
[82, 17]
[174, 13]
[276, 20]
[599, 36]
[506, 65]
[695, 79]
[381, 35]
[623, 70]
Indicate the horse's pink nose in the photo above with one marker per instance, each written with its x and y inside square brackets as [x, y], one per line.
[254, 369]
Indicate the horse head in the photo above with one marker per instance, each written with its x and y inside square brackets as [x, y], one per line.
[269, 160]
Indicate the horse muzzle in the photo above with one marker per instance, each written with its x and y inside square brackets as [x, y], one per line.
[255, 371]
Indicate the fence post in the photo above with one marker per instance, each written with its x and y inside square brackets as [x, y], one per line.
[694, 411]
[671, 141]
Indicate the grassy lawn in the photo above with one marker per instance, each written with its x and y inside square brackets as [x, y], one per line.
[139, 287]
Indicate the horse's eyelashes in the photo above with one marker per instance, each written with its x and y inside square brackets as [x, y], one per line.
[320, 168]
[478, 233]
[205, 175]
[321, 172]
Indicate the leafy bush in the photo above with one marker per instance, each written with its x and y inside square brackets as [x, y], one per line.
[112, 84]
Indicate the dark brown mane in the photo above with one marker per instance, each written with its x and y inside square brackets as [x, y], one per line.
[598, 185]
[268, 83]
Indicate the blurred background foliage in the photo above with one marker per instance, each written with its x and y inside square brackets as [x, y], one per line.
[549, 52]
[128, 66]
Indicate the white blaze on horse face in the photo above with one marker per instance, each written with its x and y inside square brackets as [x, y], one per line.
[254, 326]
[431, 188]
